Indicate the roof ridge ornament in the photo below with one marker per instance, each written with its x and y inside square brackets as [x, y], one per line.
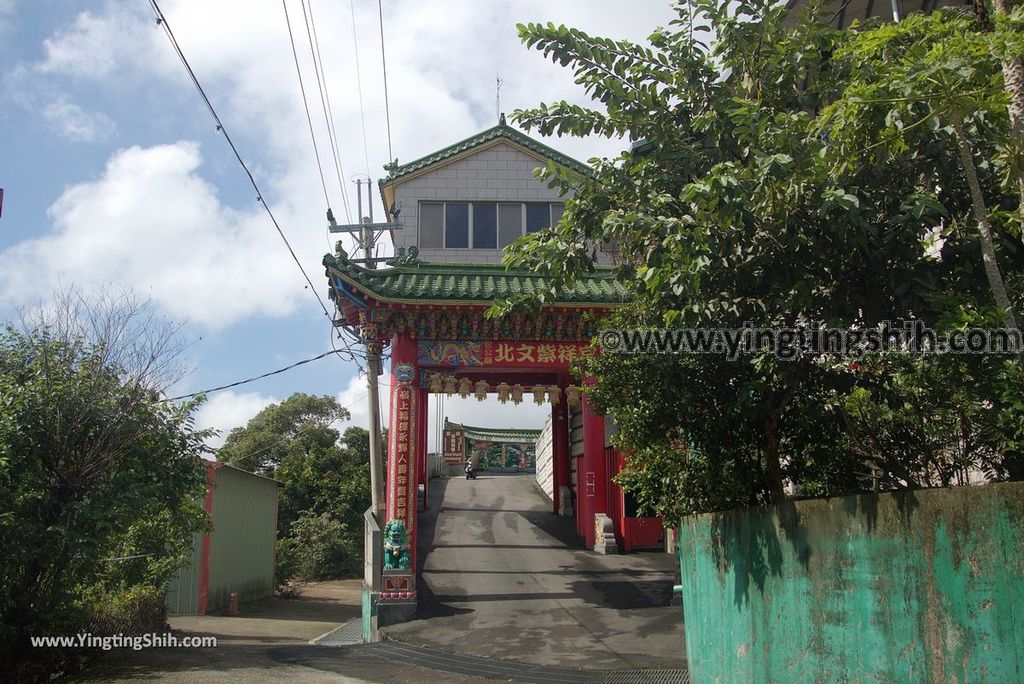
[405, 257]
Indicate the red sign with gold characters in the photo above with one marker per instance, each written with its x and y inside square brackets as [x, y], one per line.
[452, 354]
[402, 459]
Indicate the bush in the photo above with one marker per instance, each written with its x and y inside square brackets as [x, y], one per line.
[285, 563]
[139, 610]
[93, 467]
[324, 548]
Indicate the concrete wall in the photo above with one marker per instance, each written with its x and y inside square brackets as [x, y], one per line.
[435, 465]
[922, 586]
[545, 461]
[497, 173]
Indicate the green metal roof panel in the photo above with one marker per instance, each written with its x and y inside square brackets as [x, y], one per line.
[470, 283]
[502, 130]
[503, 434]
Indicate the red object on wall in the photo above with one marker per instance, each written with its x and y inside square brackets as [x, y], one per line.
[594, 497]
[421, 443]
[204, 550]
[560, 466]
[631, 532]
[402, 472]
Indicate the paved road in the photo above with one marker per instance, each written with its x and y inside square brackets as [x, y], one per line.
[503, 577]
[267, 643]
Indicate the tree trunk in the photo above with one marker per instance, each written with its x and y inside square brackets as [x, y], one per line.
[988, 252]
[1013, 81]
[773, 466]
[773, 486]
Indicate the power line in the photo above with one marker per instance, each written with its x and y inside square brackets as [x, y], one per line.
[384, 64]
[325, 100]
[255, 378]
[305, 104]
[359, 87]
[162, 21]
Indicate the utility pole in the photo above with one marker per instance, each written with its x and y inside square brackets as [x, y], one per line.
[366, 234]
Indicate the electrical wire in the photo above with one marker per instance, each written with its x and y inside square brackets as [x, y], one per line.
[254, 378]
[162, 21]
[325, 100]
[305, 103]
[384, 65]
[359, 86]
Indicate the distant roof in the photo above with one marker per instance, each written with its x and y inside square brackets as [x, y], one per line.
[501, 131]
[453, 284]
[217, 465]
[494, 434]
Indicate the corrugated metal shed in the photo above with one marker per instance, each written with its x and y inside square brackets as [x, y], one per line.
[238, 556]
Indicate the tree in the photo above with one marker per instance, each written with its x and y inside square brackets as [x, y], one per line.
[325, 478]
[93, 465]
[934, 71]
[300, 423]
[745, 201]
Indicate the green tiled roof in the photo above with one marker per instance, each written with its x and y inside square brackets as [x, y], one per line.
[495, 434]
[437, 283]
[502, 130]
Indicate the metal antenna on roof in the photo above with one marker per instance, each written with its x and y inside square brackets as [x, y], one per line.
[497, 99]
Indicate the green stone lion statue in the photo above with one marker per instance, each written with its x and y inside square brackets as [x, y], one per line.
[396, 546]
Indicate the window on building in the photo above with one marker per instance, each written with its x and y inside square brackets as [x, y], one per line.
[456, 225]
[482, 225]
[510, 223]
[432, 225]
[538, 216]
[557, 209]
[485, 225]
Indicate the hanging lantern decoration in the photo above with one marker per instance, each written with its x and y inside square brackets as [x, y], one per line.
[554, 395]
[517, 394]
[482, 388]
[436, 383]
[572, 396]
[538, 394]
[465, 387]
[449, 385]
[503, 390]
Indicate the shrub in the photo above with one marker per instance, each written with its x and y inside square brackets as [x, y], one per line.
[324, 548]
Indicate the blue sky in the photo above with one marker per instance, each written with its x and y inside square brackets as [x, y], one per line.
[114, 175]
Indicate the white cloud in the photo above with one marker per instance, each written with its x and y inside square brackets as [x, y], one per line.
[226, 410]
[98, 45]
[151, 220]
[6, 10]
[353, 397]
[76, 124]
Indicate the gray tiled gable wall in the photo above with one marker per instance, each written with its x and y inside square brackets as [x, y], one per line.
[499, 174]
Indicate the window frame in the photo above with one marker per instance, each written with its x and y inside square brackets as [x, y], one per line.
[470, 227]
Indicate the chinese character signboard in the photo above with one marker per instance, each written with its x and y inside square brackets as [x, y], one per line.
[402, 458]
[450, 354]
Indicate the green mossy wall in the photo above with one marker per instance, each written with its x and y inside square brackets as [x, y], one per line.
[925, 586]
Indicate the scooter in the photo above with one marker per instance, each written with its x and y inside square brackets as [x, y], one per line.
[470, 472]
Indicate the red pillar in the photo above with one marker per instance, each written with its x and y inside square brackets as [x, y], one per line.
[421, 441]
[402, 443]
[560, 472]
[593, 475]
